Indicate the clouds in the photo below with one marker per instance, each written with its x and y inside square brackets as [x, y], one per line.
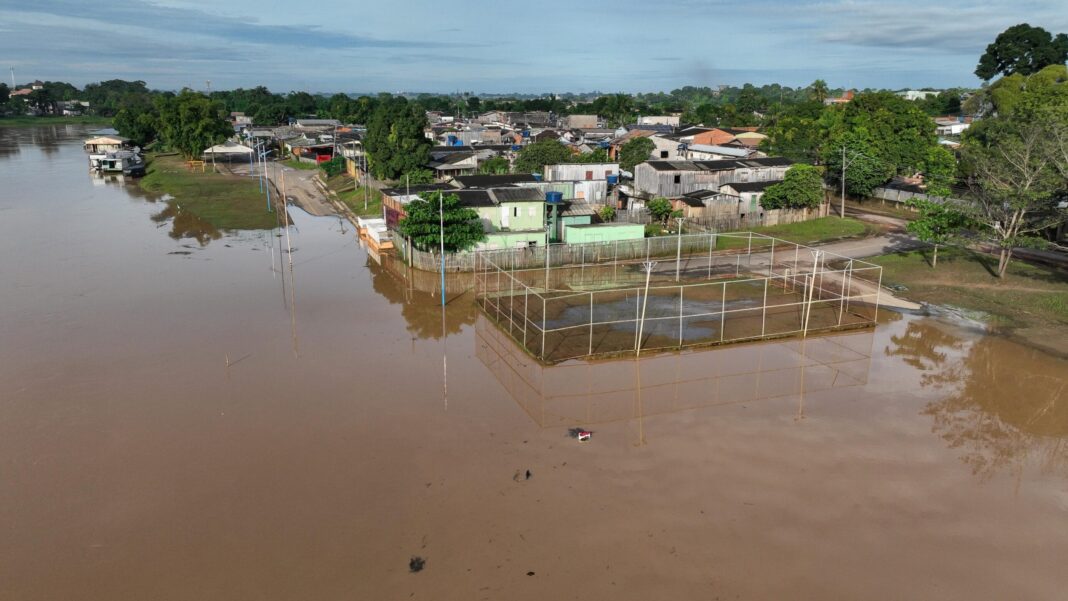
[560, 45]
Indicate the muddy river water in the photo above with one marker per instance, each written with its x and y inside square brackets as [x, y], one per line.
[181, 418]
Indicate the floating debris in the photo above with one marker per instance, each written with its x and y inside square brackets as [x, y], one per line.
[416, 564]
[580, 434]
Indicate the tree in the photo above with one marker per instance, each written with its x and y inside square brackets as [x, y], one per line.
[660, 209]
[191, 122]
[5, 92]
[864, 172]
[597, 155]
[607, 213]
[301, 104]
[937, 224]
[395, 142]
[939, 171]
[634, 151]
[1022, 49]
[532, 158]
[422, 225]
[819, 90]
[418, 176]
[1016, 176]
[494, 166]
[801, 188]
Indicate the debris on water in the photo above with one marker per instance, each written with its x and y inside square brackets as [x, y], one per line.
[529, 475]
[530, 573]
[416, 564]
[898, 287]
[180, 252]
[521, 475]
[580, 434]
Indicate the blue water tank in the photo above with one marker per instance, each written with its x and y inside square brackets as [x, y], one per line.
[537, 177]
[526, 133]
[612, 180]
[451, 140]
[516, 147]
[553, 197]
[603, 144]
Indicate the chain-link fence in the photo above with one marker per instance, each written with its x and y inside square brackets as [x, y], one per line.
[740, 287]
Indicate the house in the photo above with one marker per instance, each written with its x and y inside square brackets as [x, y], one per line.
[917, 94]
[705, 152]
[394, 200]
[454, 164]
[511, 217]
[310, 149]
[106, 143]
[317, 123]
[951, 126]
[748, 195]
[672, 179]
[843, 99]
[670, 120]
[582, 122]
[490, 181]
[581, 171]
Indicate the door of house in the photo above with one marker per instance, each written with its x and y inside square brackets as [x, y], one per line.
[504, 216]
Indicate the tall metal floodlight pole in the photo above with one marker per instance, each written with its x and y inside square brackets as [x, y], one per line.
[645, 301]
[678, 248]
[263, 156]
[441, 216]
[845, 165]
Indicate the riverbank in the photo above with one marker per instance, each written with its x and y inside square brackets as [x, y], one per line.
[354, 199]
[1030, 302]
[227, 202]
[29, 121]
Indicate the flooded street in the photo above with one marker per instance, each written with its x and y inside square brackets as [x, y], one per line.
[182, 419]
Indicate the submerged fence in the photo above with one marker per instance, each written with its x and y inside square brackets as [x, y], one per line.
[737, 287]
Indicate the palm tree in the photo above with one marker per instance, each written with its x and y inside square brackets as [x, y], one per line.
[819, 90]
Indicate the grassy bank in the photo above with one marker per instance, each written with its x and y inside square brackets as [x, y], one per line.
[295, 164]
[816, 231]
[354, 199]
[225, 201]
[28, 121]
[1031, 300]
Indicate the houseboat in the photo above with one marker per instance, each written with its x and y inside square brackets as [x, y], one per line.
[126, 162]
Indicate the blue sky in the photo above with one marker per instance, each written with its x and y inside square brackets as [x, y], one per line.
[508, 46]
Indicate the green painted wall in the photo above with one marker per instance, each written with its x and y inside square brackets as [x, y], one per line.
[603, 232]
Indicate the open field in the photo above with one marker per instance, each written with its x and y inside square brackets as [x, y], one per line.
[1031, 301]
[225, 201]
[28, 121]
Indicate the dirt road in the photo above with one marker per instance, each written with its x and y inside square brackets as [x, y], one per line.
[300, 187]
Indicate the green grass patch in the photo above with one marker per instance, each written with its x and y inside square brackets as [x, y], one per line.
[354, 199]
[294, 163]
[815, 231]
[1028, 296]
[30, 121]
[226, 202]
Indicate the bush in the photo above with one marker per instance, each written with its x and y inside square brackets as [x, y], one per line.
[333, 167]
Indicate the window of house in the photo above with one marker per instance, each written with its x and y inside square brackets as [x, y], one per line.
[678, 179]
[515, 211]
[589, 175]
[607, 173]
[663, 154]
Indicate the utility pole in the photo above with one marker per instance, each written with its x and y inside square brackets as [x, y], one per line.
[12, 79]
[648, 265]
[441, 216]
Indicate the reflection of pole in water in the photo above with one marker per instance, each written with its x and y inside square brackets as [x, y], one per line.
[640, 410]
[444, 360]
[801, 392]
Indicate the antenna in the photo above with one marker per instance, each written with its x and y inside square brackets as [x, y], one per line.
[209, 86]
[12, 79]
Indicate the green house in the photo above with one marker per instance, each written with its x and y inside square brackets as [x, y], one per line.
[512, 217]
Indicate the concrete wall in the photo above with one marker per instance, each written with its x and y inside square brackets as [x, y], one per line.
[604, 232]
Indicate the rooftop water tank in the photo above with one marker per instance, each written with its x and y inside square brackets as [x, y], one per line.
[537, 176]
[553, 197]
[526, 133]
[612, 179]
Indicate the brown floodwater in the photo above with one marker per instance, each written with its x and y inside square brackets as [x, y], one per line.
[182, 417]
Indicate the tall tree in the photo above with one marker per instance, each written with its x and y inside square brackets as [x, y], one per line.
[395, 142]
[463, 228]
[634, 151]
[801, 188]
[532, 158]
[819, 90]
[494, 166]
[191, 122]
[1022, 49]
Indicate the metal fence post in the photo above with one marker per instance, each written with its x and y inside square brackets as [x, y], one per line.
[543, 328]
[771, 261]
[590, 352]
[711, 245]
[764, 312]
[723, 313]
[680, 316]
[526, 299]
